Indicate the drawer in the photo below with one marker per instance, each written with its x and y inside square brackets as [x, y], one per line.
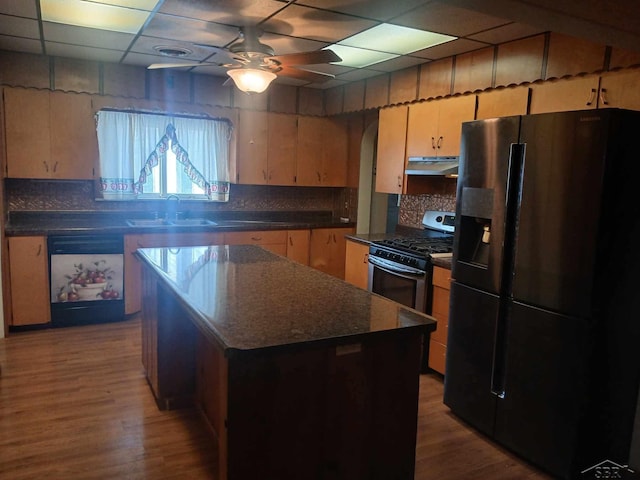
[437, 356]
[441, 331]
[266, 237]
[442, 277]
[440, 303]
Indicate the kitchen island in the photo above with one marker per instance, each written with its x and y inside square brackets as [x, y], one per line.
[298, 374]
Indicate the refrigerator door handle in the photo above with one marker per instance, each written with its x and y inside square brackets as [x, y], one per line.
[513, 197]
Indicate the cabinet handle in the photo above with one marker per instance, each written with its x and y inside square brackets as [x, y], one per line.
[55, 167]
[39, 251]
[334, 238]
[291, 241]
[46, 166]
[592, 96]
[366, 258]
[603, 96]
[256, 239]
[399, 181]
[319, 176]
[328, 239]
[264, 174]
[433, 142]
[440, 141]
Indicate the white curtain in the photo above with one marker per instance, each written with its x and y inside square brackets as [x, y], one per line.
[131, 146]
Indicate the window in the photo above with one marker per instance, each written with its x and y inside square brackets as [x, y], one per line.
[152, 156]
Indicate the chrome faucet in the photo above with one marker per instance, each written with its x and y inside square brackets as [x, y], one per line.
[177, 199]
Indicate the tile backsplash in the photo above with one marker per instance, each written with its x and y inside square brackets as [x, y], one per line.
[43, 195]
[412, 207]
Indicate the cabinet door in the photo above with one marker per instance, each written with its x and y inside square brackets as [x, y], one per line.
[392, 137]
[282, 144]
[356, 267]
[503, 103]
[252, 148]
[310, 151]
[27, 133]
[29, 274]
[579, 93]
[298, 246]
[422, 129]
[327, 250]
[335, 152]
[620, 90]
[453, 111]
[133, 269]
[440, 311]
[74, 142]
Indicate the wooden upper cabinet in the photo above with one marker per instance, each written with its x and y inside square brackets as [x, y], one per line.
[392, 137]
[74, 141]
[620, 90]
[578, 93]
[335, 152]
[281, 151]
[27, 132]
[310, 147]
[252, 147]
[422, 129]
[453, 111]
[49, 135]
[434, 128]
[503, 103]
[323, 152]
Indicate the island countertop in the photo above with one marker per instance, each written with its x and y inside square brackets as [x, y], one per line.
[246, 299]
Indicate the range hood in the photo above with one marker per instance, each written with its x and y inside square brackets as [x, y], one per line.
[443, 166]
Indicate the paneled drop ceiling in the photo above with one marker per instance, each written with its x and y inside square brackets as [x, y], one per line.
[33, 26]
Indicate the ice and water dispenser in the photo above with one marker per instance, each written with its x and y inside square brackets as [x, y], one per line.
[476, 213]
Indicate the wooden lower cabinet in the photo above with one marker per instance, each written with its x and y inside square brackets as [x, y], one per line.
[132, 270]
[29, 276]
[298, 246]
[356, 266]
[440, 311]
[327, 250]
[273, 240]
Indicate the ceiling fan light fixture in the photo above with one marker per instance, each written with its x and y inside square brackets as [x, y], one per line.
[251, 80]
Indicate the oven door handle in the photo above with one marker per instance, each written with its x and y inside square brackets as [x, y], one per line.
[395, 269]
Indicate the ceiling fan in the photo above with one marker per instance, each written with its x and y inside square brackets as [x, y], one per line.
[253, 65]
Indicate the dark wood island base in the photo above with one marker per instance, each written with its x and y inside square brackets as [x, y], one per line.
[298, 374]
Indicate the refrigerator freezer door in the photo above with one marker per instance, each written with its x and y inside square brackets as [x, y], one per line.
[544, 412]
[482, 188]
[467, 384]
[560, 211]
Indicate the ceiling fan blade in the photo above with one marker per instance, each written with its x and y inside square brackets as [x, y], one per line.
[155, 66]
[307, 58]
[307, 75]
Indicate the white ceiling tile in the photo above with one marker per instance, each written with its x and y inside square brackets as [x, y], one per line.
[397, 64]
[90, 37]
[88, 53]
[317, 24]
[229, 12]
[26, 45]
[381, 10]
[442, 18]
[506, 33]
[456, 47]
[357, 74]
[189, 30]
[19, 27]
[283, 44]
[21, 8]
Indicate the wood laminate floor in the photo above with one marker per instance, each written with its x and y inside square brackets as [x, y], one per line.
[74, 404]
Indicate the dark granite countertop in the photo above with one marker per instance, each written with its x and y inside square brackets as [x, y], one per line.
[246, 299]
[76, 223]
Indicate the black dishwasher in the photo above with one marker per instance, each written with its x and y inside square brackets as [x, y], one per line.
[86, 279]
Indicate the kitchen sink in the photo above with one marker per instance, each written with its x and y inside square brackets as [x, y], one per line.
[191, 222]
[148, 222]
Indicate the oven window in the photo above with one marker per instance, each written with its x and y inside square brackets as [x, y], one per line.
[401, 290]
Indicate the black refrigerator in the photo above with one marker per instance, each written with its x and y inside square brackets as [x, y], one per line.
[543, 350]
